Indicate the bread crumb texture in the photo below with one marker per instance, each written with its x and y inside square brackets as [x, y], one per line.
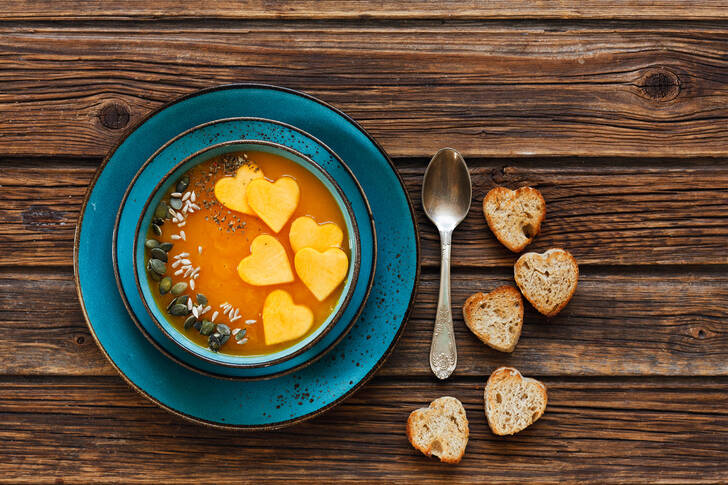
[440, 430]
[496, 318]
[547, 280]
[513, 402]
[514, 216]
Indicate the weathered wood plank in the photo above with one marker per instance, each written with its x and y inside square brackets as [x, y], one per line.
[627, 431]
[488, 90]
[618, 323]
[358, 9]
[625, 212]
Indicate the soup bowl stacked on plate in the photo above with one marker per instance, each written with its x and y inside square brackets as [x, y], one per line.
[247, 286]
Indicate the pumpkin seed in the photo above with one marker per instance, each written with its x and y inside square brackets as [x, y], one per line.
[182, 300]
[166, 246]
[182, 184]
[240, 335]
[201, 299]
[153, 275]
[156, 230]
[165, 285]
[223, 339]
[151, 244]
[207, 327]
[214, 343]
[178, 310]
[179, 288]
[159, 254]
[158, 221]
[157, 266]
[223, 329]
[175, 204]
[161, 210]
[198, 325]
[190, 322]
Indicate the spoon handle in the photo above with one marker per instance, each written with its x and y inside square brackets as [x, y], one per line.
[443, 353]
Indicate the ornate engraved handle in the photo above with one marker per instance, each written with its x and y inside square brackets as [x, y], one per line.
[443, 353]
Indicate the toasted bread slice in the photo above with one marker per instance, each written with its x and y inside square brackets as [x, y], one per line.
[547, 280]
[513, 402]
[514, 216]
[440, 429]
[496, 318]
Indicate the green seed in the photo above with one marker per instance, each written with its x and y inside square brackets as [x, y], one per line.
[166, 246]
[157, 266]
[178, 310]
[197, 325]
[156, 230]
[201, 299]
[179, 288]
[214, 343]
[223, 339]
[158, 221]
[190, 322]
[240, 335]
[154, 276]
[223, 329]
[162, 211]
[175, 203]
[182, 300]
[165, 285]
[183, 183]
[171, 304]
[159, 254]
[207, 327]
[151, 244]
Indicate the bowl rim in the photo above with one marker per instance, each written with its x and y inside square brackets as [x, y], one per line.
[114, 243]
[330, 321]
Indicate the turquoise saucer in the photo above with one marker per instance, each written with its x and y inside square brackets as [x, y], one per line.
[296, 396]
[190, 142]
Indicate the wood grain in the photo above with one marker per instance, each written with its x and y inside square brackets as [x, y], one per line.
[488, 90]
[628, 323]
[627, 431]
[357, 9]
[624, 212]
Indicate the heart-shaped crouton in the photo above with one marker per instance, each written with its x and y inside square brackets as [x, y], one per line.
[440, 430]
[283, 320]
[547, 280]
[496, 318]
[232, 191]
[267, 264]
[321, 272]
[274, 202]
[513, 402]
[514, 216]
[305, 233]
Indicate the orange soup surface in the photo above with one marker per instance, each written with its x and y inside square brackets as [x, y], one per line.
[214, 239]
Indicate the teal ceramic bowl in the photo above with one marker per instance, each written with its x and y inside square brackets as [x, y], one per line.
[158, 316]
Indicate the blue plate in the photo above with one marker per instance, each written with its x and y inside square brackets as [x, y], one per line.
[284, 400]
[191, 142]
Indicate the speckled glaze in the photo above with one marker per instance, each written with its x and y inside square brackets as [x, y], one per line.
[170, 178]
[191, 141]
[297, 396]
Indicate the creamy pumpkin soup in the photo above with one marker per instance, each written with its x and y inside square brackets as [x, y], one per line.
[247, 253]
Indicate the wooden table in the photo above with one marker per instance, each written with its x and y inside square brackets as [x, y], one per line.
[616, 110]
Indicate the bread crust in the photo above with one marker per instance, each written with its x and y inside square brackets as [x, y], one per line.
[500, 374]
[476, 299]
[414, 415]
[504, 193]
[519, 264]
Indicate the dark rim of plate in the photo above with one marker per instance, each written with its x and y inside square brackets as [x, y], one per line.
[375, 367]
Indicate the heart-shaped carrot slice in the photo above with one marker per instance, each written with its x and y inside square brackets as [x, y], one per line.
[274, 202]
[267, 264]
[231, 191]
[321, 272]
[283, 320]
[306, 233]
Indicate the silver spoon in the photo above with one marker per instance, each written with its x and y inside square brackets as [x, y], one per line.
[446, 194]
